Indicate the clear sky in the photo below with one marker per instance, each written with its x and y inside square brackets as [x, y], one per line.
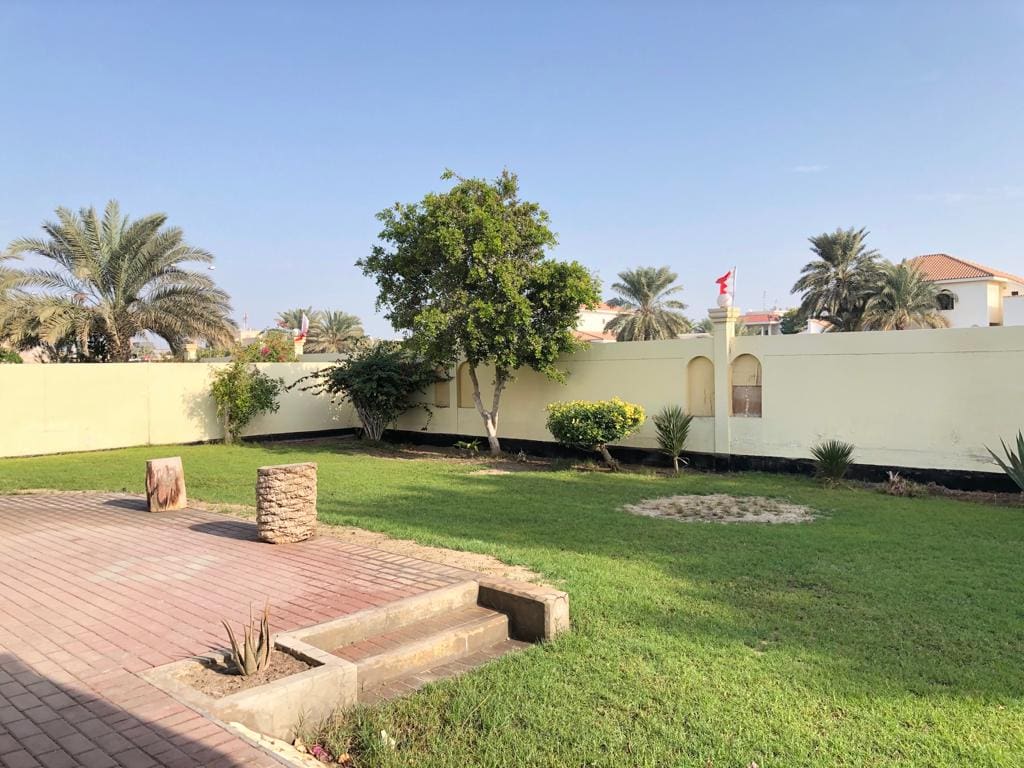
[698, 135]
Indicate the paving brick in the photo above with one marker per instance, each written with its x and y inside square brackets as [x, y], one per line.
[97, 591]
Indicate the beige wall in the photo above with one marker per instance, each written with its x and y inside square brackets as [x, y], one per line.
[928, 398]
[60, 408]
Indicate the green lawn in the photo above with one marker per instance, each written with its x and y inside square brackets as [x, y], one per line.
[888, 632]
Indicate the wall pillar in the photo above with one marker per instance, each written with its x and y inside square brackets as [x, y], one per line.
[723, 322]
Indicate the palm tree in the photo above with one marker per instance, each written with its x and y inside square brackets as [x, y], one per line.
[650, 315]
[111, 279]
[10, 280]
[837, 284]
[336, 332]
[905, 299]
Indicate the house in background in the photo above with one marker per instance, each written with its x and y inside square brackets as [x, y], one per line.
[591, 323]
[973, 295]
[764, 323]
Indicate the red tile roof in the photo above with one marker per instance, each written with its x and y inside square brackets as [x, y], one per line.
[760, 318]
[942, 266]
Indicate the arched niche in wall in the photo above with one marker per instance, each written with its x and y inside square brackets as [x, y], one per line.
[746, 386]
[700, 387]
[464, 385]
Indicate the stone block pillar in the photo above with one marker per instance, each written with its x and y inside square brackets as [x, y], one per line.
[723, 321]
[286, 502]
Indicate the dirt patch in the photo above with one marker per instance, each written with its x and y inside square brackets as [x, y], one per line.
[216, 679]
[722, 508]
[471, 561]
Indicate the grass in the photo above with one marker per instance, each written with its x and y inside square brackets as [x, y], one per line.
[889, 632]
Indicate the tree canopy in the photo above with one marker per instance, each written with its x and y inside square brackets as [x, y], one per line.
[466, 273]
[837, 284]
[111, 279]
[650, 314]
[904, 298]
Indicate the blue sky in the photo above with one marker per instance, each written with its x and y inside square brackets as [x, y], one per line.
[698, 135]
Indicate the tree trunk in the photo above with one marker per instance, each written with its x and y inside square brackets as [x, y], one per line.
[490, 417]
[613, 465]
[228, 439]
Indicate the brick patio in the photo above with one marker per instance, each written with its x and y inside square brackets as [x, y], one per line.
[94, 590]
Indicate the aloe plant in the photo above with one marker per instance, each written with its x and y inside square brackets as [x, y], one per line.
[1013, 464]
[832, 459]
[252, 655]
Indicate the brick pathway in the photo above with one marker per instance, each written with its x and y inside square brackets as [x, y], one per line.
[93, 590]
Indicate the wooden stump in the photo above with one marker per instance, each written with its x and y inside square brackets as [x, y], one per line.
[165, 485]
[286, 502]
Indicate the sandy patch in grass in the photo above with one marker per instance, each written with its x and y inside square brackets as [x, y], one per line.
[722, 508]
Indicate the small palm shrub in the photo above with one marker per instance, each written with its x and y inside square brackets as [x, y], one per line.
[251, 656]
[242, 392]
[592, 425]
[672, 426]
[832, 460]
[1013, 464]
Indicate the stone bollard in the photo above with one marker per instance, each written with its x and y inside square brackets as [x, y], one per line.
[165, 485]
[286, 502]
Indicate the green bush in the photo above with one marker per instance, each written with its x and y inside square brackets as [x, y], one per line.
[592, 425]
[672, 426]
[832, 460]
[1013, 465]
[242, 392]
[379, 379]
[9, 356]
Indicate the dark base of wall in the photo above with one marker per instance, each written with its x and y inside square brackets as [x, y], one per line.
[277, 437]
[961, 480]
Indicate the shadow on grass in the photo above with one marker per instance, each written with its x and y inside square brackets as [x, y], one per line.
[907, 595]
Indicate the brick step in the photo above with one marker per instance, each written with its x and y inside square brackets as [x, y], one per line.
[437, 639]
[412, 682]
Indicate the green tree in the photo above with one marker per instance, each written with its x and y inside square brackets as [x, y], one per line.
[113, 278]
[466, 272]
[378, 378]
[651, 314]
[838, 283]
[905, 299]
[337, 332]
[792, 322]
[10, 280]
[242, 392]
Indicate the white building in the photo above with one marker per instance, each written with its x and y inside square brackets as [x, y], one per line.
[591, 323]
[974, 295]
[765, 323]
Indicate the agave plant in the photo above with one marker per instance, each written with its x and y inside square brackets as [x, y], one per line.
[672, 426]
[252, 655]
[832, 460]
[1013, 464]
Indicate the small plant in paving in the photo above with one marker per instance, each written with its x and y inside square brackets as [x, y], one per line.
[1013, 464]
[242, 392]
[672, 426]
[252, 655]
[832, 460]
[592, 425]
